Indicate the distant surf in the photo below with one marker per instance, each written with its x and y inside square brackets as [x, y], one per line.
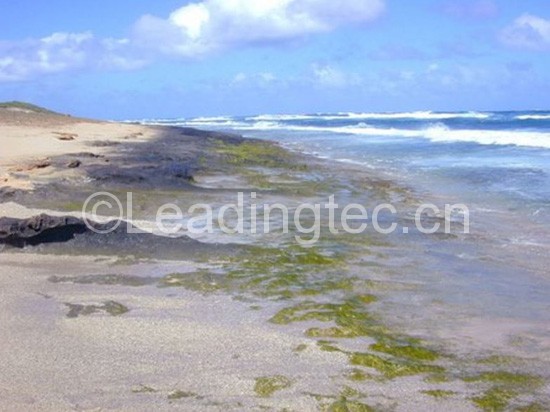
[502, 156]
[527, 129]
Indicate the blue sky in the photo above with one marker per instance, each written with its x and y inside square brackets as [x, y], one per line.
[134, 58]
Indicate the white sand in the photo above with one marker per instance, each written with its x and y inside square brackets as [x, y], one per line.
[29, 141]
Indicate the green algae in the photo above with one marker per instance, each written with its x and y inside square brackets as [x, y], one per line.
[259, 153]
[200, 281]
[300, 348]
[260, 258]
[495, 399]
[439, 393]
[407, 351]
[342, 313]
[144, 389]
[350, 318]
[406, 355]
[111, 307]
[327, 346]
[178, 394]
[358, 375]
[436, 378]
[392, 368]
[267, 385]
[506, 387]
[114, 308]
[332, 332]
[519, 380]
[498, 360]
[533, 407]
[349, 392]
[346, 405]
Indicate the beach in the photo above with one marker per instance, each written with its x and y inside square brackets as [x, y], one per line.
[248, 321]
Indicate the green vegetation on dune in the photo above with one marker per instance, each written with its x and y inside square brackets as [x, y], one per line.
[25, 106]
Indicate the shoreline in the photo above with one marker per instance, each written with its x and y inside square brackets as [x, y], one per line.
[186, 315]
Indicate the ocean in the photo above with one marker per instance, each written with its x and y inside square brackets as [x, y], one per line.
[475, 155]
[496, 163]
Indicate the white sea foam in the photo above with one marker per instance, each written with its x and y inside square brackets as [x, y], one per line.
[533, 117]
[418, 115]
[435, 133]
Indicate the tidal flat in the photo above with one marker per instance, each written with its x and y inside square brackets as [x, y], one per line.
[251, 321]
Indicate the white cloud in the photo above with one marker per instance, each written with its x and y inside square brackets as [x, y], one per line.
[211, 25]
[527, 32]
[61, 52]
[192, 31]
[261, 79]
[329, 76]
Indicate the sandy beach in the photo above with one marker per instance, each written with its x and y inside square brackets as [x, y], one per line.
[123, 322]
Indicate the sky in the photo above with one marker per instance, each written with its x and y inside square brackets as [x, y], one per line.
[134, 59]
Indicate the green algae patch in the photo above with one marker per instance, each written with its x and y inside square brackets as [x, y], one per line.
[332, 332]
[403, 355]
[181, 395]
[114, 308]
[407, 351]
[268, 385]
[200, 281]
[495, 399]
[392, 368]
[327, 346]
[436, 378]
[533, 407]
[258, 153]
[286, 273]
[350, 318]
[111, 307]
[518, 380]
[144, 389]
[358, 375]
[345, 405]
[499, 360]
[506, 387]
[300, 348]
[302, 312]
[439, 393]
[266, 258]
[366, 299]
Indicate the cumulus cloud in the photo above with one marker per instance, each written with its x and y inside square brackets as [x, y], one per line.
[262, 79]
[192, 31]
[61, 52]
[527, 32]
[329, 76]
[212, 25]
